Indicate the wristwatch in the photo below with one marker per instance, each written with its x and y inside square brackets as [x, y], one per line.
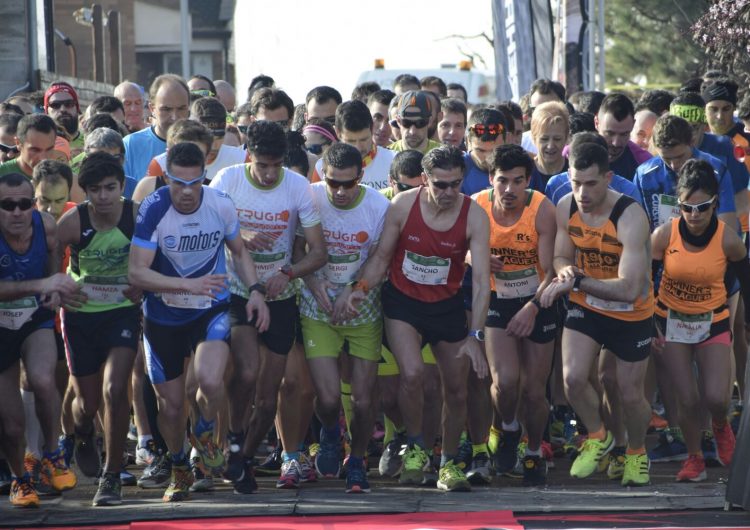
[577, 282]
[287, 270]
[477, 334]
[256, 287]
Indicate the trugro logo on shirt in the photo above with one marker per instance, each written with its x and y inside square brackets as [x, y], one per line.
[359, 237]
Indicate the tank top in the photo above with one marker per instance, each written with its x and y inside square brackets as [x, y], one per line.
[31, 265]
[598, 254]
[517, 245]
[428, 265]
[99, 262]
[693, 281]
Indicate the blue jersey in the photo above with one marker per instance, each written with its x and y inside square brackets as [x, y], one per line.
[722, 148]
[656, 186]
[475, 179]
[187, 246]
[559, 186]
[140, 148]
[539, 180]
[629, 160]
[31, 265]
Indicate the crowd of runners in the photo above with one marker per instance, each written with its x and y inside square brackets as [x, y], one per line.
[402, 283]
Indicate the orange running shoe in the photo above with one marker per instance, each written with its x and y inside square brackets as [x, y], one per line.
[693, 469]
[23, 494]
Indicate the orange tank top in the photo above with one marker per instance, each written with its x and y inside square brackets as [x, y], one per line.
[598, 253]
[693, 281]
[517, 245]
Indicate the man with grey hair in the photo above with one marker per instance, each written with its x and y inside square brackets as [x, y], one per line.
[133, 99]
[226, 94]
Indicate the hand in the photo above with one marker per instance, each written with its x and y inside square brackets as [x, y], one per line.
[276, 284]
[555, 290]
[256, 308]
[73, 302]
[208, 285]
[569, 273]
[341, 310]
[354, 299]
[51, 301]
[61, 283]
[319, 289]
[657, 343]
[134, 294]
[522, 323]
[257, 241]
[473, 350]
[496, 264]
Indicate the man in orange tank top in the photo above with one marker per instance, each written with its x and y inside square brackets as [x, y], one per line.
[606, 273]
[427, 233]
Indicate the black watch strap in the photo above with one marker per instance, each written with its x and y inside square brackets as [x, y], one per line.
[256, 287]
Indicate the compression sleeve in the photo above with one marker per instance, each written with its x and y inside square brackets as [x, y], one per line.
[741, 269]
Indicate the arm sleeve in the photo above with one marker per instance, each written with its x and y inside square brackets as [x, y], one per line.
[726, 192]
[741, 269]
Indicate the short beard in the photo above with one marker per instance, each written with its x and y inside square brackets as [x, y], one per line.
[69, 123]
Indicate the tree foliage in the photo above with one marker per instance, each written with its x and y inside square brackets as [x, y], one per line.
[723, 32]
[652, 38]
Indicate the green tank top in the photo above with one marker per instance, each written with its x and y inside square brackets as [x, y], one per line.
[99, 262]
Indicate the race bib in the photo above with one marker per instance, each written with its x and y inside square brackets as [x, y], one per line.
[668, 208]
[186, 300]
[688, 329]
[341, 268]
[105, 289]
[426, 270]
[608, 305]
[517, 284]
[266, 265]
[15, 313]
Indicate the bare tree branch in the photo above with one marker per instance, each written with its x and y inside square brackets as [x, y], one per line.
[482, 35]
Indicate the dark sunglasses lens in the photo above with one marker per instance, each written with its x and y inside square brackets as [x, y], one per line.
[10, 205]
[336, 184]
[315, 149]
[403, 187]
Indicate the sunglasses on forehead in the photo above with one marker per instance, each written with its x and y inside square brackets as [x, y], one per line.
[697, 208]
[492, 129]
[204, 93]
[9, 205]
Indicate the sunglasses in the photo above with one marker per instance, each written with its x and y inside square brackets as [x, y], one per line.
[204, 93]
[492, 129]
[336, 184]
[57, 105]
[404, 187]
[419, 124]
[316, 149]
[9, 205]
[8, 148]
[219, 133]
[243, 128]
[441, 185]
[198, 180]
[697, 208]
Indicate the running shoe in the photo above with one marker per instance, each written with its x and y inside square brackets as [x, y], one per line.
[589, 455]
[356, 480]
[506, 457]
[179, 485]
[479, 471]
[708, 446]
[693, 470]
[451, 478]
[86, 454]
[42, 482]
[233, 457]
[636, 471]
[669, 448]
[127, 478]
[534, 471]
[657, 423]
[307, 468]
[5, 477]
[616, 463]
[390, 460]
[429, 474]
[132, 432]
[157, 474]
[412, 466]
[465, 454]
[203, 481]
[60, 476]
[725, 443]
[66, 445]
[271, 465]
[246, 484]
[212, 458]
[328, 459]
[109, 492]
[23, 494]
[290, 475]
[144, 456]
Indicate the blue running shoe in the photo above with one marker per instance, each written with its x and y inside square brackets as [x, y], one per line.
[668, 449]
[328, 459]
[356, 480]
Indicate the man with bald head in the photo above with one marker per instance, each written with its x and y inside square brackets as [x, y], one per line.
[226, 94]
[132, 97]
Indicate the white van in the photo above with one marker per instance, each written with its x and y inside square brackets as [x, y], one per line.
[480, 86]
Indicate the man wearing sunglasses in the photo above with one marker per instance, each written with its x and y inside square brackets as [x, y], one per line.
[178, 258]
[321, 102]
[413, 120]
[210, 112]
[35, 141]
[8, 129]
[352, 217]
[61, 104]
[28, 298]
[427, 234]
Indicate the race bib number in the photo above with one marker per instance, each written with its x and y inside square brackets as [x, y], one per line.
[688, 329]
[186, 300]
[341, 268]
[517, 284]
[15, 313]
[105, 289]
[668, 208]
[608, 305]
[266, 265]
[426, 270]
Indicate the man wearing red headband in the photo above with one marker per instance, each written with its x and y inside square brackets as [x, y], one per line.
[61, 104]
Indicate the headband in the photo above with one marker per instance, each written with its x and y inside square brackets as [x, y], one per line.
[321, 131]
[60, 87]
[691, 113]
[720, 91]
